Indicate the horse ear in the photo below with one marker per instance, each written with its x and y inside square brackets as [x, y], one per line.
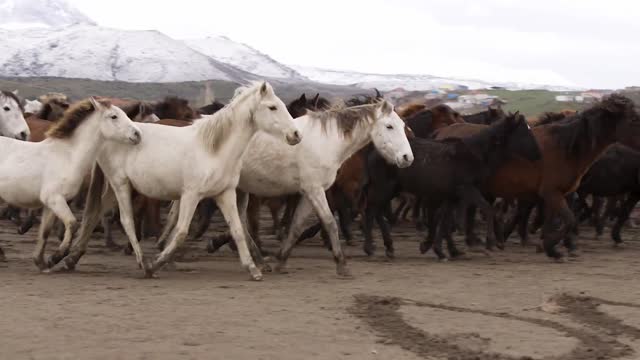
[15, 92]
[303, 98]
[96, 104]
[386, 107]
[263, 88]
[315, 99]
[378, 95]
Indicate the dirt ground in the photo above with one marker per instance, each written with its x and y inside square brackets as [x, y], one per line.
[515, 304]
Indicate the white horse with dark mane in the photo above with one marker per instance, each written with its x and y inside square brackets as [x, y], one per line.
[12, 123]
[331, 137]
[50, 173]
[187, 164]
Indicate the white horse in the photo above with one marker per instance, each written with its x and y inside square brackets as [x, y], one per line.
[49, 173]
[331, 137]
[32, 106]
[189, 164]
[12, 123]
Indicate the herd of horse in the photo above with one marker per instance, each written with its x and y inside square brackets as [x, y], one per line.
[121, 161]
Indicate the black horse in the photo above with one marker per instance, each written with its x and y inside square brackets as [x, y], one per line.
[445, 174]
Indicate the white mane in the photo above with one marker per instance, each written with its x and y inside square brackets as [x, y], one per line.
[214, 129]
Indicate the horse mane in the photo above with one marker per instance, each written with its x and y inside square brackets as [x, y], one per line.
[133, 109]
[345, 119]
[581, 132]
[363, 99]
[550, 117]
[167, 108]
[14, 97]
[411, 109]
[211, 108]
[47, 107]
[73, 118]
[215, 129]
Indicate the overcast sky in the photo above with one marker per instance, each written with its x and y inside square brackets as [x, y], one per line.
[587, 43]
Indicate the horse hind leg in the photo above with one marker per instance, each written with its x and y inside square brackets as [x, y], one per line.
[61, 209]
[188, 203]
[28, 223]
[227, 203]
[43, 234]
[172, 219]
[556, 204]
[626, 208]
[300, 214]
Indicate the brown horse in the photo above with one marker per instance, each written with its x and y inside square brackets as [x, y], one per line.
[568, 149]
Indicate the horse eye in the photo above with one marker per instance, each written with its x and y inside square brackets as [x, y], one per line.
[6, 108]
[113, 117]
[273, 108]
[390, 127]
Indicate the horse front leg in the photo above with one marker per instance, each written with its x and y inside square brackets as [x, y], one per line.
[227, 203]
[473, 196]
[556, 204]
[625, 210]
[97, 202]
[188, 203]
[172, 219]
[122, 191]
[300, 214]
[43, 234]
[61, 209]
[243, 200]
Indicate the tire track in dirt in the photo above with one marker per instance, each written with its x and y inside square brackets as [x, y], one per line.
[383, 316]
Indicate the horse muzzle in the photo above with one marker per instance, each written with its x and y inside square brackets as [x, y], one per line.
[294, 138]
[405, 160]
[135, 138]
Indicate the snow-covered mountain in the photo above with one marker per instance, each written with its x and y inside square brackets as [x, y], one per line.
[243, 56]
[386, 82]
[21, 14]
[52, 38]
[93, 52]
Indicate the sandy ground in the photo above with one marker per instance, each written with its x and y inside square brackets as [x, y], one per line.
[513, 305]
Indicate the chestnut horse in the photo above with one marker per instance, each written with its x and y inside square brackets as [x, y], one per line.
[568, 150]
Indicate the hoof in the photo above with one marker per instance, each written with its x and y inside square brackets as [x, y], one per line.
[113, 246]
[350, 243]
[390, 254]
[343, 272]
[619, 245]
[459, 255]
[443, 260]
[41, 264]
[256, 274]
[281, 268]
[539, 249]
[213, 246]
[70, 264]
[369, 249]
[559, 260]
[3, 258]
[266, 268]
[424, 247]
[128, 250]
[574, 254]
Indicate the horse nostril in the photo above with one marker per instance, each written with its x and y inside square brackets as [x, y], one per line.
[23, 135]
[296, 134]
[405, 157]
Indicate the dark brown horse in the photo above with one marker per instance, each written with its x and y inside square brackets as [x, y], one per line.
[569, 148]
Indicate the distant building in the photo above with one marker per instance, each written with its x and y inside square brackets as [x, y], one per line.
[564, 98]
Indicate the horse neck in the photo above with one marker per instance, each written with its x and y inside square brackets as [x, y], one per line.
[84, 145]
[358, 139]
[241, 131]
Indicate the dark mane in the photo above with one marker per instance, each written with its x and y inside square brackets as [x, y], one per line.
[301, 105]
[53, 109]
[346, 119]
[486, 117]
[411, 109]
[549, 118]
[137, 108]
[211, 108]
[73, 118]
[9, 94]
[582, 132]
[173, 107]
[358, 100]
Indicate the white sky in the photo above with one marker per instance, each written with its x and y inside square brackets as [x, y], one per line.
[588, 43]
